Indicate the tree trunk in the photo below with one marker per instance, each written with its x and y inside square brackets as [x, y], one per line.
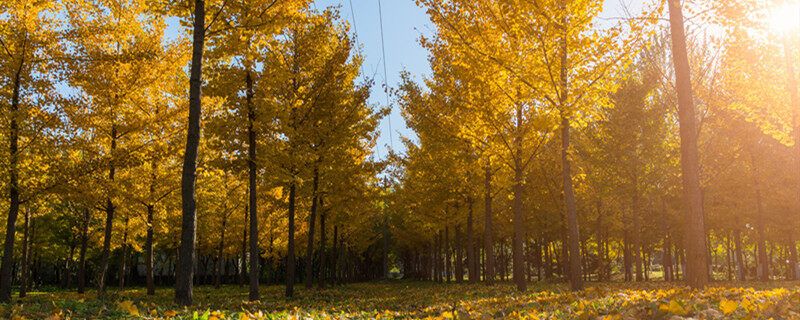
[448, 271]
[385, 260]
[737, 240]
[575, 281]
[459, 241]
[106, 254]
[696, 271]
[637, 229]
[6, 274]
[322, 255]
[124, 256]
[290, 246]
[519, 232]
[151, 286]
[243, 269]
[471, 263]
[763, 262]
[82, 254]
[666, 259]
[185, 270]
[220, 250]
[601, 263]
[26, 239]
[312, 217]
[488, 250]
[335, 266]
[794, 104]
[253, 203]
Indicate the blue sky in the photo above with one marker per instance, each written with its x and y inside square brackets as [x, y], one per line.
[403, 24]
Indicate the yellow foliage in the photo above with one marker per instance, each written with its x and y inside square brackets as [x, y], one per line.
[728, 306]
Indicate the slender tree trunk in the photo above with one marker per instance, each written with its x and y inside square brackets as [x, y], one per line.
[185, 270]
[82, 254]
[220, 250]
[243, 269]
[627, 264]
[518, 223]
[151, 286]
[601, 263]
[489, 273]
[737, 240]
[448, 272]
[6, 267]
[336, 258]
[794, 101]
[24, 279]
[385, 260]
[312, 217]
[322, 254]
[696, 271]
[290, 246]
[459, 241]
[471, 264]
[666, 259]
[253, 203]
[68, 267]
[124, 256]
[728, 255]
[110, 208]
[763, 269]
[637, 229]
[575, 280]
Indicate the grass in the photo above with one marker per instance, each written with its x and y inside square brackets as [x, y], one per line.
[414, 300]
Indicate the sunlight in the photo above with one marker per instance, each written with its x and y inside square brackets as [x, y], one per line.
[785, 18]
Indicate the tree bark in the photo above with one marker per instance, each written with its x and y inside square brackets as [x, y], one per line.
[184, 272]
[124, 256]
[6, 275]
[151, 286]
[243, 269]
[312, 217]
[335, 266]
[794, 102]
[220, 250]
[322, 254]
[488, 250]
[82, 254]
[26, 239]
[106, 254]
[601, 263]
[448, 272]
[253, 203]
[667, 254]
[737, 240]
[459, 241]
[575, 281]
[696, 272]
[518, 254]
[637, 229]
[290, 246]
[471, 263]
[763, 265]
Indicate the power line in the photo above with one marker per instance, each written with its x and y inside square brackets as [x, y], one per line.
[385, 76]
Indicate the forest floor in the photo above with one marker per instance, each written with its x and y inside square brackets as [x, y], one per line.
[414, 300]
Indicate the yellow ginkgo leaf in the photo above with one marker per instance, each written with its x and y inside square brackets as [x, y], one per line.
[447, 315]
[728, 306]
[676, 308]
[128, 307]
[170, 313]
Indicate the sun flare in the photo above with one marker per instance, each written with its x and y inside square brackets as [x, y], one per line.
[785, 18]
